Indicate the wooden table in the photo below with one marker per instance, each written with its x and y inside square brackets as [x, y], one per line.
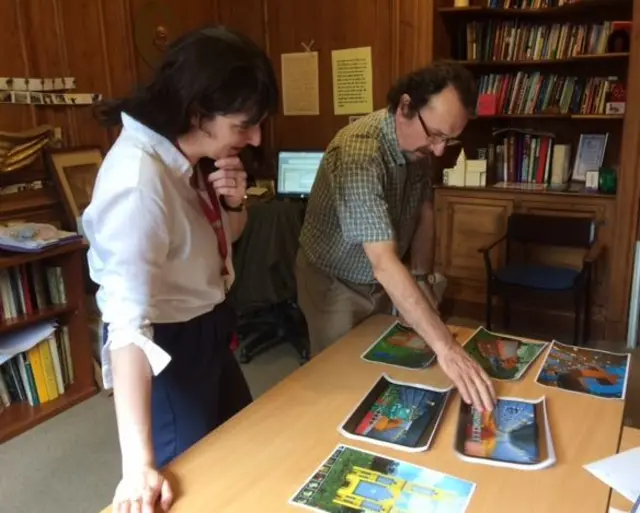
[261, 457]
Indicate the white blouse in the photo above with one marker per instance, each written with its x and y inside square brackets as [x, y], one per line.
[152, 251]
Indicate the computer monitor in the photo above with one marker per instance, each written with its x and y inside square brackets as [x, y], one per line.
[297, 172]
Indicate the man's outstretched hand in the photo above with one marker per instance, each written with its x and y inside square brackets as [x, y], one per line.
[468, 377]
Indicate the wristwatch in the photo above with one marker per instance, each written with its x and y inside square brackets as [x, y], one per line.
[425, 278]
[229, 208]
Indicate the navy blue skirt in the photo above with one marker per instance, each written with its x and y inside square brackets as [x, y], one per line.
[202, 386]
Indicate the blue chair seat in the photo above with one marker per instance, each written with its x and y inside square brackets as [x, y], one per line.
[538, 276]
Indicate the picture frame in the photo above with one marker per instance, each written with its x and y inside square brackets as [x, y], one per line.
[74, 171]
[590, 155]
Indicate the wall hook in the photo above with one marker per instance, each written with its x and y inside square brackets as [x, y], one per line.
[308, 47]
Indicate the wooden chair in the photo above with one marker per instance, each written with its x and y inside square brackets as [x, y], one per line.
[521, 275]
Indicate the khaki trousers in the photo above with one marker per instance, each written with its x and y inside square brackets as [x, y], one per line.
[333, 307]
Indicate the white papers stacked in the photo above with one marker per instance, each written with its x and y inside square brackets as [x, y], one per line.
[620, 472]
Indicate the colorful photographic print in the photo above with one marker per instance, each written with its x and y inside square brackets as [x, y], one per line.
[399, 415]
[515, 434]
[355, 480]
[586, 371]
[402, 347]
[501, 357]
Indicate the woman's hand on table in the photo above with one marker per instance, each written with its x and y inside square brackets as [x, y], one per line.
[138, 492]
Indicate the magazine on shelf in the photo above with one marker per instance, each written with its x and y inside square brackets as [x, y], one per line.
[403, 416]
[586, 371]
[516, 434]
[33, 237]
[400, 346]
[503, 357]
[351, 479]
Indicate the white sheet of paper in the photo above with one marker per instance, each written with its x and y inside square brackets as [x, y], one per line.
[614, 510]
[619, 472]
[24, 339]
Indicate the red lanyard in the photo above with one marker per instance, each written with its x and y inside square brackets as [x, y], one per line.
[213, 213]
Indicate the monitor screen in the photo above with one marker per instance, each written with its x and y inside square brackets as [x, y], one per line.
[297, 171]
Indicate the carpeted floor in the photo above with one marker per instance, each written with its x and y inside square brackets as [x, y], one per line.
[70, 464]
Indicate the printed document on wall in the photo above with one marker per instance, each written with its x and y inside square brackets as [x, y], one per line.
[300, 94]
[352, 81]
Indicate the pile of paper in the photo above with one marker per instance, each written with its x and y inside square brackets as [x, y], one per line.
[620, 473]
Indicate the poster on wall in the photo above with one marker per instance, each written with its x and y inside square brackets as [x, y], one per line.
[44, 91]
[53, 99]
[37, 84]
[300, 90]
[352, 81]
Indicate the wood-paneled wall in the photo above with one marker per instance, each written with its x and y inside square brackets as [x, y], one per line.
[396, 30]
[93, 40]
[330, 25]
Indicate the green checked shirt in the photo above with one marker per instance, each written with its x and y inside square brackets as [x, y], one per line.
[365, 191]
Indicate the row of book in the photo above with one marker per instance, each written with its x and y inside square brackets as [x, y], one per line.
[39, 374]
[534, 93]
[529, 4]
[507, 40]
[529, 158]
[27, 288]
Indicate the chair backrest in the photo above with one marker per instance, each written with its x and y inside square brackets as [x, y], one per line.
[544, 230]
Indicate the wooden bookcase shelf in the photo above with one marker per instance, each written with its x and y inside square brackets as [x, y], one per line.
[20, 416]
[589, 59]
[567, 193]
[468, 217]
[44, 314]
[584, 7]
[450, 23]
[602, 117]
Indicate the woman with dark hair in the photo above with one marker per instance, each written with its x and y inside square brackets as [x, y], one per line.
[167, 204]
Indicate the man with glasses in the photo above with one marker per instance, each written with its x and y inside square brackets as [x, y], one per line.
[368, 237]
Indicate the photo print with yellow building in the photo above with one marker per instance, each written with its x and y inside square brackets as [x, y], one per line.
[354, 480]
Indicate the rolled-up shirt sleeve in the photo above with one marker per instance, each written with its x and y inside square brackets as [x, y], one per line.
[128, 237]
[360, 202]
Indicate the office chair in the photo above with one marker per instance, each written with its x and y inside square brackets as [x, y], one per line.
[264, 294]
[522, 275]
[263, 328]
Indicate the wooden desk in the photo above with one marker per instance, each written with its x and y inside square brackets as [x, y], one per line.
[630, 439]
[261, 457]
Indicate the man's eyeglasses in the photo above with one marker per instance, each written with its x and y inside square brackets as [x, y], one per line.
[448, 141]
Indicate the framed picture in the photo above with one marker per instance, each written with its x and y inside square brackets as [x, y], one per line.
[75, 171]
[589, 156]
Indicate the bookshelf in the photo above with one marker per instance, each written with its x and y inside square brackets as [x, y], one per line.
[531, 42]
[68, 309]
[519, 63]
[543, 69]
[566, 9]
